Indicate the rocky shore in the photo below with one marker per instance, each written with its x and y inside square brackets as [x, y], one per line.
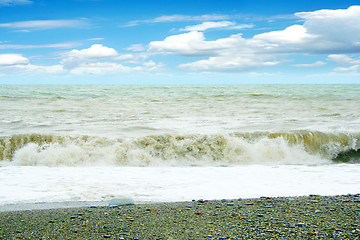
[310, 217]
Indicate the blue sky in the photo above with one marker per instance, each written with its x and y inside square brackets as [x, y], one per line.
[181, 42]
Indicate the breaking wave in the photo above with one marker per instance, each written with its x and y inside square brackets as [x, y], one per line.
[300, 147]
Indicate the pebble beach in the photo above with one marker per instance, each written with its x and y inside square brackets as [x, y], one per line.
[307, 217]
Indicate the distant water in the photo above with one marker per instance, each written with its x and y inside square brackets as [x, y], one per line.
[177, 133]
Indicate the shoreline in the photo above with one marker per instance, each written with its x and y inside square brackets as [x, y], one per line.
[314, 216]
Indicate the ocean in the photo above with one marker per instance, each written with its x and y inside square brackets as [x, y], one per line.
[161, 143]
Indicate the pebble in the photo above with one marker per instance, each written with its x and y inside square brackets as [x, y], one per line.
[293, 218]
[121, 201]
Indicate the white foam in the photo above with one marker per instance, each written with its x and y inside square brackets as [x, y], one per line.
[167, 150]
[61, 184]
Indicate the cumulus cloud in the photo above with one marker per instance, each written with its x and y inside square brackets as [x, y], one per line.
[96, 52]
[340, 25]
[16, 63]
[12, 59]
[317, 35]
[14, 2]
[323, 32]
[295, 34]
[97, 59]
[191, 44]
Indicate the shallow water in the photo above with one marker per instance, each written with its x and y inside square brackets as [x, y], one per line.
[170, 143]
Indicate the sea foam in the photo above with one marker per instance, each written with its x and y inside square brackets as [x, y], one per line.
[302, 147]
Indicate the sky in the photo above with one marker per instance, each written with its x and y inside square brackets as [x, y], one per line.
[179, 42]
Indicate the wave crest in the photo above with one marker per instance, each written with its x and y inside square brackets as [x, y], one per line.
[301, 147]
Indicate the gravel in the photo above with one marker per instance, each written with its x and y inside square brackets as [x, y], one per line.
[308, 217]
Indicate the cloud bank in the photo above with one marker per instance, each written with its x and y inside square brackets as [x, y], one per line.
[95, 60]
[334, 34]
[323, 32]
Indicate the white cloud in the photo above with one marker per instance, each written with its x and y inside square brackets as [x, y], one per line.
[54, 69]
[228, 63]
[227, 54]
[95, 39]
[56, 45]
[187, 44]
[315, 64]
[44, 24]
[12, 59]
[14, 2]
[125, 57]
[100, 68]
[354, 68]
[323, 32]
[180, 18]
[108, 68]
[136, 48]
[242, 26]
[347, 64]
[342, 59]
[210, 25]
[291, 35]
[317, 35]
[340, 25]
[95, 53]
[97, 59]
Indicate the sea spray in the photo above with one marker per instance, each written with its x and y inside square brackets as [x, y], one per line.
[300, 147]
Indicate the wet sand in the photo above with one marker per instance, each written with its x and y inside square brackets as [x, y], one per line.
[310, 217]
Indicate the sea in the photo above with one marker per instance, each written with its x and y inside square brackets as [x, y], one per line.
[167, 143]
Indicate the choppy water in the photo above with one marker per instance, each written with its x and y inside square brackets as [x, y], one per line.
[194, 127]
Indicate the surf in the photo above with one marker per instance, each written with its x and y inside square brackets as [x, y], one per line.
[241, 148]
